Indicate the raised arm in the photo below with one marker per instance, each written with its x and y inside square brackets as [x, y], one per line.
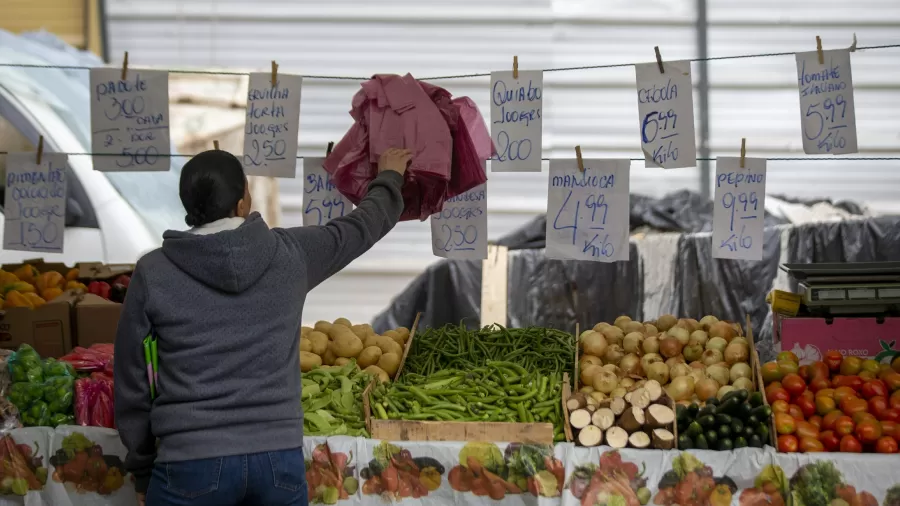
[330, 247]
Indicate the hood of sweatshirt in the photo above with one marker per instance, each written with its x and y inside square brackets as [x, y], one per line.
[230, 260]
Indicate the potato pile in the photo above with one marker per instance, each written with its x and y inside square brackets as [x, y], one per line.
[693, 360]
[339, 342]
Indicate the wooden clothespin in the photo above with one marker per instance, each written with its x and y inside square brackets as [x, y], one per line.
[216, 145]
[578, 157]
[662, 69]
[40, 149]
[743, 150]
[819, 50]
[515, 67]
[328, 149]
[125, 66]
[274, 74]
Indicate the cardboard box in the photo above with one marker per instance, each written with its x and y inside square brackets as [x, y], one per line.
[96, 320]
[48, 329]
[865, 337]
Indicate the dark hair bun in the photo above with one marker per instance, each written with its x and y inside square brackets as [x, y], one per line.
[212, 183]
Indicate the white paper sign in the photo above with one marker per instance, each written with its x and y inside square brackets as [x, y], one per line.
[322, 202]
[459, 231]
[666, 114]
[130, 118]
[516, 124]
[588, 212]
[35, 205]
[739, 215]
[272, 125]
[827, 112]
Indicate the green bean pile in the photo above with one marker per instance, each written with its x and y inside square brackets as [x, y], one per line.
[497, 392]
[455, 347]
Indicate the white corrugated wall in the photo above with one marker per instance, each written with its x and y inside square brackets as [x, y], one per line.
[755, 98]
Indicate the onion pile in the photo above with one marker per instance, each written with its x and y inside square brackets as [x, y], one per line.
[693, 360]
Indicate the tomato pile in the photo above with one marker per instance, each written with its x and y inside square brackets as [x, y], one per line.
[835, 405]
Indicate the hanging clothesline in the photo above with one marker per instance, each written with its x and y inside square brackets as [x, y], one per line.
[436, 78]
[711, 159]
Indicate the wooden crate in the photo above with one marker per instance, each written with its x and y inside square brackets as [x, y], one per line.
[756, 367]
[408, 345]
[416, 430]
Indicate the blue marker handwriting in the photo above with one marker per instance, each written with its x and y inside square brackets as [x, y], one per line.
[323, 199]
[262, 107]
[459, 230]
[741, 205]
[825, 113]
[38, 204]
[516, 105]
[123, 101]
[587, 209]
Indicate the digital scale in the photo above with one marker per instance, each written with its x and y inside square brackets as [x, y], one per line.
[844, 288]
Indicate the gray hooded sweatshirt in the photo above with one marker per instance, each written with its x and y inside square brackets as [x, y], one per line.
[226, 310]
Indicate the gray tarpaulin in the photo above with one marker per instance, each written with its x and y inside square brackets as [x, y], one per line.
[671, 270]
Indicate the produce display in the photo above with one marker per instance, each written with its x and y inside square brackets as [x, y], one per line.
[821, 483]
[692, 482]
[81, 463]
[693, 360]
[330, 476]
[332, 401]
[29, 288]
[395, 474]
[740, 419]
[41, 390]
[611, 481]
[497, 392]
[340, 342]
[536, 349]
[20, 469]
[484, 470]
[840, 404]
[643, 418]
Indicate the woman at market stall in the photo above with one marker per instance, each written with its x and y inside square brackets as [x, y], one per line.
[224, 300]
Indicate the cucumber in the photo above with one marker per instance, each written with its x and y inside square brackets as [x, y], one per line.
[724, 432]
[700, 442]
[712, 438]
[755, 441]
[725, 445]
[744, 411]
[763, 431]
[752, 421]
[707, 422]
[712, 401]
[756, 399]
[723, 419]
[762, 412]
[692, 410]
[737, 426]
[740, 442]
[709, 409]
[680, 413]
[749, 432]
[741, 395]
[693, 430]
[685, 442]
[729, 407]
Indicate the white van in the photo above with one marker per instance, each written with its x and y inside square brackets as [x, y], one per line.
[110, 217]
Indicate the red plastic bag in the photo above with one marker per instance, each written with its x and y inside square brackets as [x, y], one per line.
[83, 390]
[94, 401]
[94, 358]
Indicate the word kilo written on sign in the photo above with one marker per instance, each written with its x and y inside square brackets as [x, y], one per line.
[666, 114]
[130, 120]
[322, 202]
[827, 112]
[272, 125]
[35, 202]
[588, 212]
[459, 231]
[516, 121]
[739, 213]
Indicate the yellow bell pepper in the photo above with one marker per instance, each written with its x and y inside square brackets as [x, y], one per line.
[26, 273]
[72, 275]
[19, 286]
[51, 279]
[7, 278]
[35, 299]
[17, 299]
[51, 293]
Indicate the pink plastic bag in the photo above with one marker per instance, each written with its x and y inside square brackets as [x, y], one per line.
[94, 402]
[94, 358]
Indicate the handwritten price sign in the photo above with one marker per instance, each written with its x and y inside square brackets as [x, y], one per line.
[666, 114]
[272, 124]
[588, 212]
[35, 205]
[739, 213]
[322, 202]
[827, 112]
[516, 121]
[130, 120]
[459, 231]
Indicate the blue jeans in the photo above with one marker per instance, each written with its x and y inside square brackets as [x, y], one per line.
[264, 479]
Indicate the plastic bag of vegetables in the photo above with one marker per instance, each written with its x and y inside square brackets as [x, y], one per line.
[42, 390]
